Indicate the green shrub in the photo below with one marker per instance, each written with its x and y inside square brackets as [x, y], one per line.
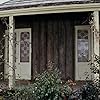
[86, 92]
[46, 86]
[49, 86]
[89, 92]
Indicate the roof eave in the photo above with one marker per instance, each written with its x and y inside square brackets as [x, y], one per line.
[39, 4]
[51, 9]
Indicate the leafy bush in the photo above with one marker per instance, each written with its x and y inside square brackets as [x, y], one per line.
[8, 94]
[86, 92]
[95, 68]
[89, 92]
[49, 86]
[46, 86]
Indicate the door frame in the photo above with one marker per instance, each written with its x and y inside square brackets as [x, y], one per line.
[6, 51]
[90, 47]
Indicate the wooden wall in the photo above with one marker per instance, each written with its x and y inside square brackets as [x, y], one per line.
[52, 40]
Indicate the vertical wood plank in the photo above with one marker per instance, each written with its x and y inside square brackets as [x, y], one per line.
[35, 49]
[56, 45]
[69, 50]
[50, 50]
[62, 49]
[42, 47]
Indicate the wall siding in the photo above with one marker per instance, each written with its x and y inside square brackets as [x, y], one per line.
[52, 40]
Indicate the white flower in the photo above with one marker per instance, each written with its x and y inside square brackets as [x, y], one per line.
[35, 87]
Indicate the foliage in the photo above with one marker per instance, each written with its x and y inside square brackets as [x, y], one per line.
[91, 90]
[8, 94]
[46, 86]
[49, 86]
[86, 92]
[96, 69]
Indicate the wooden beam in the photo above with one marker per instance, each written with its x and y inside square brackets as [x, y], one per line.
[11, 53]
[96, 37]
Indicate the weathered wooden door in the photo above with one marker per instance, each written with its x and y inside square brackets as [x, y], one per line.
[22, 53]
[82, 53]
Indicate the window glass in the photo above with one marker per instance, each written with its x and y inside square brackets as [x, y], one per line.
[82, 46]
[24, 46]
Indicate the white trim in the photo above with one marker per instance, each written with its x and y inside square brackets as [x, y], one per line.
[11, 67]
[96, 34]
[96, 39]
[51, 9]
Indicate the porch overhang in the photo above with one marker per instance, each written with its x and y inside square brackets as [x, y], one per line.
[51, 9]
[93, 7]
